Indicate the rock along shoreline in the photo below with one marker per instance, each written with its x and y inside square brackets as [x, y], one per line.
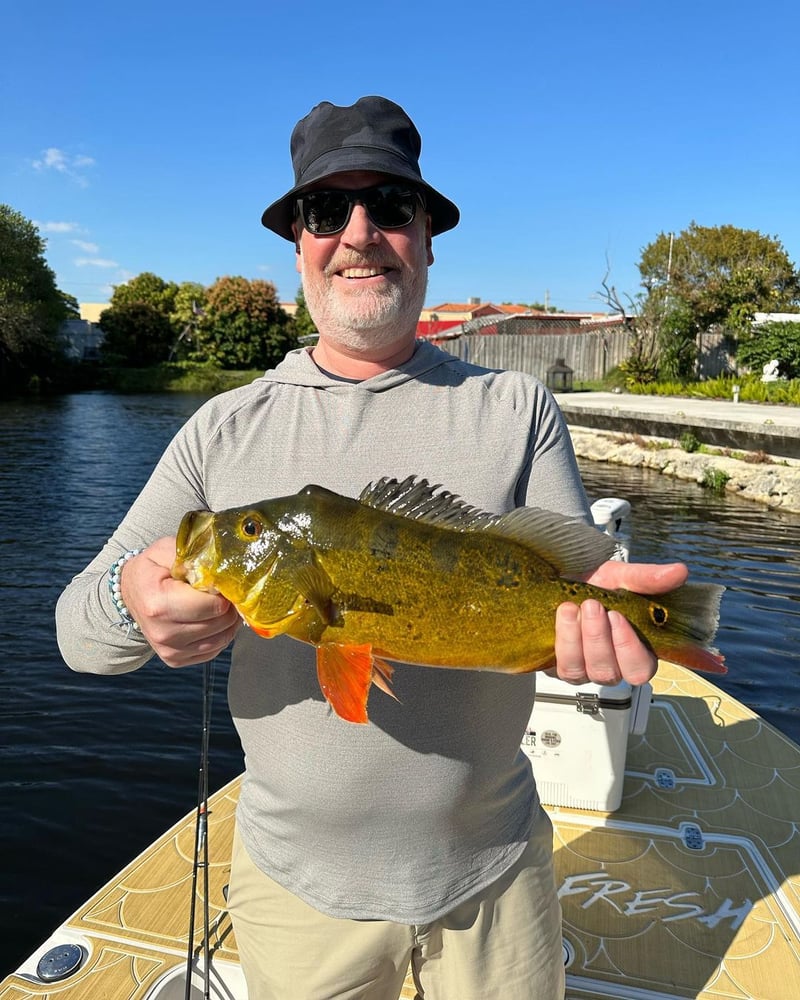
[775, 484]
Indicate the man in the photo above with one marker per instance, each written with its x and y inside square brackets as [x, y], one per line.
[418, 837]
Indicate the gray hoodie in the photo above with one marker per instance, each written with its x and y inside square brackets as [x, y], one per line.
[406, 817]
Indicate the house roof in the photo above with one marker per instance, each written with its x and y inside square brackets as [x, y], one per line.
[512, 310]
[461, 307]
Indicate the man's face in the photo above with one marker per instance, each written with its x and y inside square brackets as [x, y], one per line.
[364, 286]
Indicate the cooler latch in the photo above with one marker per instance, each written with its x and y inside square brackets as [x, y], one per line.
[586, 703]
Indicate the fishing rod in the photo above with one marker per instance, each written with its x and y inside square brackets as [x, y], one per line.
[201, 845]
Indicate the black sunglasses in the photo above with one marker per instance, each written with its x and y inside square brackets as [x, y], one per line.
[389, 206]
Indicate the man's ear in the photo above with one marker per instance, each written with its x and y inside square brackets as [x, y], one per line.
[429, 240]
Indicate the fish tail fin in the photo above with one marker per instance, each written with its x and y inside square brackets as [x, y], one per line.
[690, 616]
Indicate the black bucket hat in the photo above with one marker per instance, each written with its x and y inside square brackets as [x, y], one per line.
[372, 134]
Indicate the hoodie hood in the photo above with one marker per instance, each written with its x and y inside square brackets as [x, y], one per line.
[298, 368]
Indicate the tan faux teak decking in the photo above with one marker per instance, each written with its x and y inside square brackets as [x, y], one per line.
[650, 908]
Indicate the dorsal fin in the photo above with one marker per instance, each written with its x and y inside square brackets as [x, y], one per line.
[417, 499]
[571, 547]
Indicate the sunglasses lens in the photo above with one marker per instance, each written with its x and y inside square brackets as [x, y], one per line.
[390, 206]
[325, 211]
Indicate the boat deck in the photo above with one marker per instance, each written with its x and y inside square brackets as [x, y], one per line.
[690, 889]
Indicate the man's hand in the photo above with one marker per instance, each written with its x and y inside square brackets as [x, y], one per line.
[600, 646]
[183, 625]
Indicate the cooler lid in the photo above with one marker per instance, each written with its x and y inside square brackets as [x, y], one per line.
[548, 687]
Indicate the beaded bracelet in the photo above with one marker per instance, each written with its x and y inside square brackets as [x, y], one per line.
[125, 620]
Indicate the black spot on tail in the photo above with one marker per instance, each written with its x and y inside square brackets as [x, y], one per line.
[659, 615]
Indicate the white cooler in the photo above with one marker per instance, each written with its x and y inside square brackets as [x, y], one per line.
[577, 740]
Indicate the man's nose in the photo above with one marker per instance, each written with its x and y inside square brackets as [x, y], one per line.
[360, 229]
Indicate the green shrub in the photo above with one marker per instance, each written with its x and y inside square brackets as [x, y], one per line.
[769, 341]
[689, 441]
[715, 479]
[638, 371]
[751, 389]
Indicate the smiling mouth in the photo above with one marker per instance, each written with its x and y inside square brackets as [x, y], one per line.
[363, 272]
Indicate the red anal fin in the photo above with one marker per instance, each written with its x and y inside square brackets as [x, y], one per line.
[345, 675]
[695, 657]
[382, 676]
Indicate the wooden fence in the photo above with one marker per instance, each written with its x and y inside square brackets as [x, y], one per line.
[715, 355]
[590, 355]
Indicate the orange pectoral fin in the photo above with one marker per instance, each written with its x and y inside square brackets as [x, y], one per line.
[345, 675]
[267, 633]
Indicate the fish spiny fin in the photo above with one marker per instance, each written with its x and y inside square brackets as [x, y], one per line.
[345, 675]
[571, 547]
[417, 500]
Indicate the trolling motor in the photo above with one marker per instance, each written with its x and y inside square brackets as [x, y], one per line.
[609, 515]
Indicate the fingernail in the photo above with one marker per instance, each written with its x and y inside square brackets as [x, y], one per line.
[568, 613]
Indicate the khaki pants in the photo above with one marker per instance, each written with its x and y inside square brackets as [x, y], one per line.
[503, 943]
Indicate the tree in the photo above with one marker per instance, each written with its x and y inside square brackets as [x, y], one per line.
[137, 335]
[32, 307]
[720, 274]
[138, 325]
[676, 339]
[71, 305]
[535, 306]
[147, 289]
[243, 325]
[304, 328]
[704, 277]
[188, 307]
[642, 321]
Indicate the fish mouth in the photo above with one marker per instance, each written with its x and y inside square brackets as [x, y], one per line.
[195, 548]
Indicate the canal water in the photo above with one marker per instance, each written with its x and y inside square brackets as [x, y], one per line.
[92, 769]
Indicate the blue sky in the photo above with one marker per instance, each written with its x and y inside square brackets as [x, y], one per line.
[150, 136]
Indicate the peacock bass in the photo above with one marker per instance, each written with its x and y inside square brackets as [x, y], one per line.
[409, 572]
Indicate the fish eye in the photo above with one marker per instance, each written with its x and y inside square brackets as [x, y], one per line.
[658, 614]
[251, 528]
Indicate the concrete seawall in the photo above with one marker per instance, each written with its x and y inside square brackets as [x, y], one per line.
[644, 431]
